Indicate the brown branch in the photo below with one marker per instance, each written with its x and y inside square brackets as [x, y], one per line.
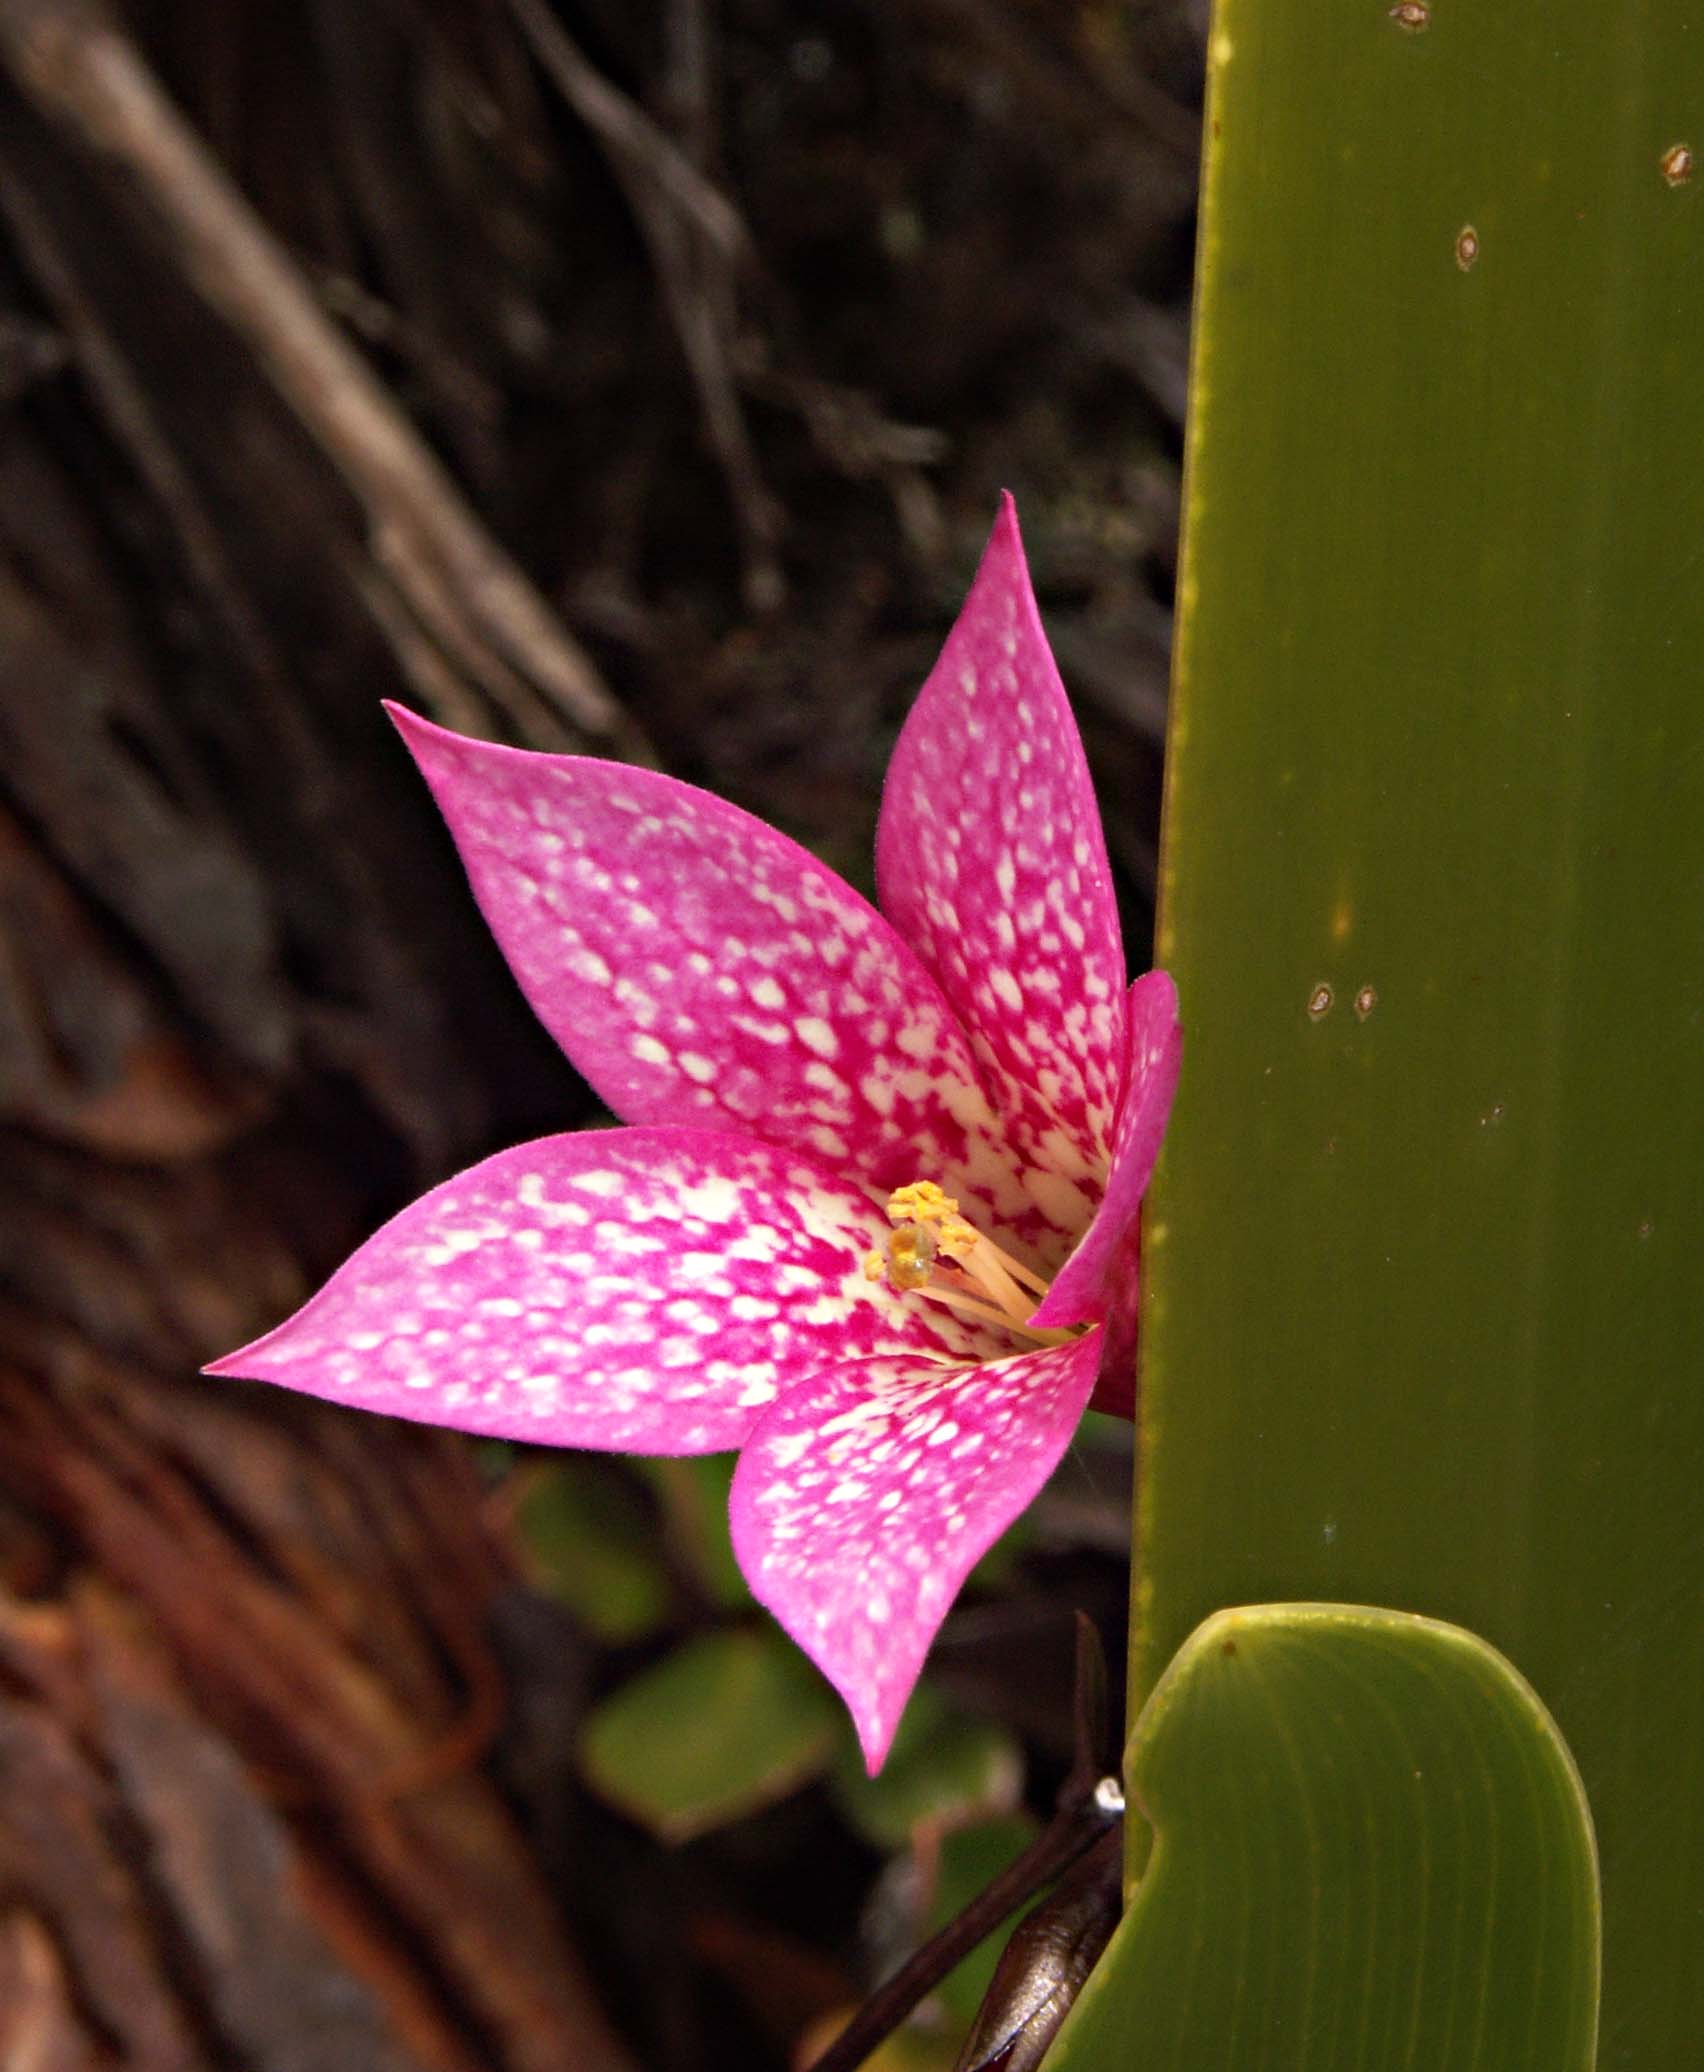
[627, 133]
[125, 401]
[679, 214]
[90, 81]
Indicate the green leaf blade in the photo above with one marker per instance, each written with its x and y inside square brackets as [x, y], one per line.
[1370, 1848]
[1424, 1321]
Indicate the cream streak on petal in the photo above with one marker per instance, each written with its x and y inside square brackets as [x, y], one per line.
[701, 969]
[992, 864]
[639, 1290]
[865, 1497]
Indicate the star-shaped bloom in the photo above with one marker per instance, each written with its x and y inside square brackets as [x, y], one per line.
[873, 1219]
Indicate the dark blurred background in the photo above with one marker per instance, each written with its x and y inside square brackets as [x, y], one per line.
[625, 375]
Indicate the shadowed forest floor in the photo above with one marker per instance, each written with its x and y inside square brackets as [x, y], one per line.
[633, 378]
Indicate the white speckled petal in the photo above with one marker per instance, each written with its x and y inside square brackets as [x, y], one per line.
[701, 969]
[1082, 1289]
[865, 1497]
[638, 1290]
[992, 865]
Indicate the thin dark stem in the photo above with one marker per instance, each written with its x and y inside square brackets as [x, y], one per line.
[1084, 1813]
[1093, 1754]
[1069, 1836]
[1042, 1969]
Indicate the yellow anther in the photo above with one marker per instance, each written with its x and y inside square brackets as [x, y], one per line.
[925, 1206]
[921, 1202]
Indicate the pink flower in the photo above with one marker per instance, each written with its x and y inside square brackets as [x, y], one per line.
[901, 1370]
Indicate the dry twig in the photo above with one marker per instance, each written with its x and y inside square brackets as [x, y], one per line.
[695, 238]
[85, 75]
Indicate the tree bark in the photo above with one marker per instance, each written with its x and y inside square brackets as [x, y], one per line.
[247, 1681]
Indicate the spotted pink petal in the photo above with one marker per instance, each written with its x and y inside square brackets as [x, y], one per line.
[992, 865]
[1083, 1287]
[640, 1290]
[865, 1497]
[1115, 1386]
[701, 969]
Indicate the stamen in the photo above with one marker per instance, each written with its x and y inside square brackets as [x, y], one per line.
[1018, 1270]
[936, 1252]
[984, 1313]
[986, 1264]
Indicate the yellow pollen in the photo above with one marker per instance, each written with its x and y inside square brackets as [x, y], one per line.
[922, 1202]
[924, 1206]
[936, 1252]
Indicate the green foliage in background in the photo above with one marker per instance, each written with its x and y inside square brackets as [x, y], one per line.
[725, 1724]
[1424, 1319]
[1370, 1851]
[945, 1768]
[692, 1495]
[591, 1545]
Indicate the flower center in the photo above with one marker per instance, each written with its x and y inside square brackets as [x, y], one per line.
[936, 1253]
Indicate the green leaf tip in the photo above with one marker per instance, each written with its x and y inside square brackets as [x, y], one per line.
[1369, 1847]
